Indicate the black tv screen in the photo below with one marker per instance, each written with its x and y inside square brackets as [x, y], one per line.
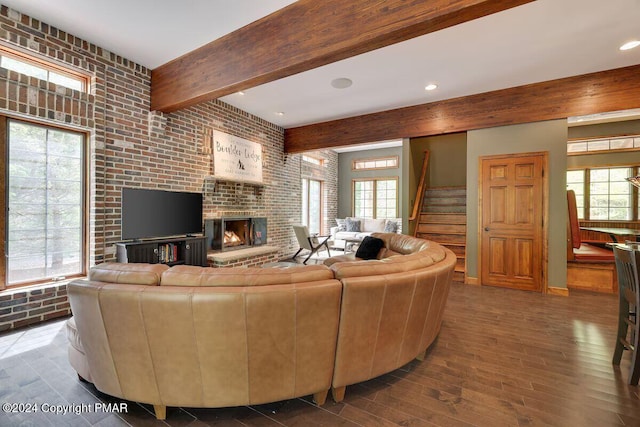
[159, 213]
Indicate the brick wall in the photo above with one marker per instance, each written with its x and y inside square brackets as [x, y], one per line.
[129, 145]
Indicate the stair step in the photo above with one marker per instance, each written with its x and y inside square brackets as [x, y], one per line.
[444, 209]
[445, 201]
[444, 238]
[459, 250]
[458, 276]
[446, 192]
[443, 218]
[442, 228]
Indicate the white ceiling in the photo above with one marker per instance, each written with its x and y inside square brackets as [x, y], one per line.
[539, 41]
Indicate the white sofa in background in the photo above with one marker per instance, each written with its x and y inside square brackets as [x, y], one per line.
[367, 226]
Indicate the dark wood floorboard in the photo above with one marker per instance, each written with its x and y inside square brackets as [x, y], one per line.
[503, 358]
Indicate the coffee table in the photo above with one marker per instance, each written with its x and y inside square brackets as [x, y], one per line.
[350, 242]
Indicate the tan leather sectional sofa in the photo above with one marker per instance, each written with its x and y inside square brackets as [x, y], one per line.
[204, 337]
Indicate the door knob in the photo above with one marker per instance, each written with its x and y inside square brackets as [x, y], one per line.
[486, 229]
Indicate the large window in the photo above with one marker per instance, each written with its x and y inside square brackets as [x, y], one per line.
[45, 200]
[375, 198]
[604, 194]
[312, 204]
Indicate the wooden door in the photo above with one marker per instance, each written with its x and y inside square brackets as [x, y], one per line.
[512, 221]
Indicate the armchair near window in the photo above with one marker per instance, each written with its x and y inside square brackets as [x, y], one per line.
[311, 243]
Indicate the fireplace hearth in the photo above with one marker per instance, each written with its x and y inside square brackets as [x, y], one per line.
[226, 234]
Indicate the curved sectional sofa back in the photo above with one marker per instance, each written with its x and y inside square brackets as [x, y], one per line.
[166, 345]
[392, 308]
[151, 334]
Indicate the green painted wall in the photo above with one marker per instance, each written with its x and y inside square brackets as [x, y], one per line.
[631, 127]
[549, 136]
[346, 176]
[447, 165]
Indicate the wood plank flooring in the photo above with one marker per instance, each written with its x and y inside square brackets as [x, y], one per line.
[503, 358]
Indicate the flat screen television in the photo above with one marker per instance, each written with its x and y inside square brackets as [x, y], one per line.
[159, 213]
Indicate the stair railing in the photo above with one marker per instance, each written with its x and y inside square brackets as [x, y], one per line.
[417, 204]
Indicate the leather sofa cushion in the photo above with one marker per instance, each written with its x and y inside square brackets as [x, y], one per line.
[403, 244]
[396, 264]
[187, 275]
[134, 273]
[72, 335]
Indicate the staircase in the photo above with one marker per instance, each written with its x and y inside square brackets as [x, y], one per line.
[443, 219]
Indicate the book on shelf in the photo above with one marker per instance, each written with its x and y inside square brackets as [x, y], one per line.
[168, 253]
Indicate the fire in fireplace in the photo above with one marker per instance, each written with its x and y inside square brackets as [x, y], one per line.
[235, 233]
[232, 239]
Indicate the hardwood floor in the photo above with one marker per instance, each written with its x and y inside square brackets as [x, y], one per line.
[503, 358]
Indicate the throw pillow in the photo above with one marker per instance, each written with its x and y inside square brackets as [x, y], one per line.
[353, 225]
[369, 248]
[342, 224]
[391, 227]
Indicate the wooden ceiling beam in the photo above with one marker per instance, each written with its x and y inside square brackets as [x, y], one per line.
[605, 91]
[304, 35]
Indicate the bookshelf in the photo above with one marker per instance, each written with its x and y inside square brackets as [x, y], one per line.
[175, 251]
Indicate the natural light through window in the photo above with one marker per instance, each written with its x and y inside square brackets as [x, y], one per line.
[604, 194]
[375, 163]
[45, 201]
[34, 68]
[375, 198]
[623, 143]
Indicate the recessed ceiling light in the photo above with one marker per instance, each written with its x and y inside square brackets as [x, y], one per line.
[280, 113]
[431, 86]
[241, 93]
[630, 45]
[341, 83]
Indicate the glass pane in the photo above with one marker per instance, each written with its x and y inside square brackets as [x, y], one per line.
[620, 187]
[45, 201]
[619, 174]
[619, 214]
[23, 68]
[599, 188]
[598, 213]
[619, 144]
[599, 201]
[576, 147]
[363, 199]
[305, 202]
[386, 199]
[315, 203]
[577, 188]
[599, 175]
[65, 81]
[598, 145]
[575, 176]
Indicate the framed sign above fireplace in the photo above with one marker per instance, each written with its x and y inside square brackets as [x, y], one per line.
[236, 159]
